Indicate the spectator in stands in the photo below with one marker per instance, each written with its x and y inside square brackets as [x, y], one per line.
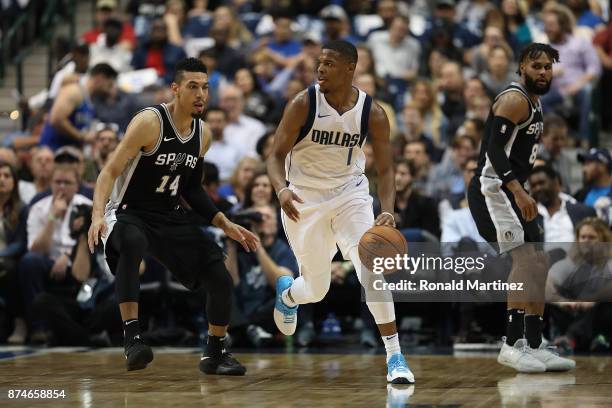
[444, 16]
[458, 224]
[228, 58]
[415, 151]
[337, 25]
[108, 50]
[423, 97]
[365, 62]
[597, 190]
[234, 191]
[257, 104]
[479, 56]
[68, 156]
[472, 13]
[174, 20]
[223, 155]
[367, 83]
[255, 275]
[554, 139]
[603, 46]
[584, 16]
[474, 128]
[49, 241]
[105, 143]
[117, 107]
[238, 35]
[12, 246]
[209, 58]
[158, 52]
[446, 178]
[414, 130]
[498, 74]
[282, 44]
[72, 111]
[264, 145]
[71, 68]
[451, 88]
[516, 30]
[559, 212]
[259, 192]
[242, 131]
[211, 185]
[105, 9]
[574, 283]
[386, 10]
[412, 209]
[473, 93]
[87, 318]
[41, 167]
[396, 53]
[578, 67]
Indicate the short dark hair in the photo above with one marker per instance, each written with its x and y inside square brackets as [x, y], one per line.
[549, 171]
[534, 50]
[211, 173]
[344, 48]
[105, 70]
[409, 165]
[188, 65]
[216, 108]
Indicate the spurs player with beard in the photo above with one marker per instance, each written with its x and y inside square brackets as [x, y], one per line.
[505, 213]
[158, 162]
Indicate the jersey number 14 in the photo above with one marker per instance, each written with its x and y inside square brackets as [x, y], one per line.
[173, 187]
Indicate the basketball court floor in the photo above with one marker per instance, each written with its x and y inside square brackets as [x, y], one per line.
[92, 378]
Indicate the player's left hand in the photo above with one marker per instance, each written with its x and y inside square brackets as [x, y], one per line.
[246, 238]
[385, 218]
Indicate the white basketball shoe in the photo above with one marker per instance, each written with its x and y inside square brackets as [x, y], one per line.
[520, 357]
[551, 359]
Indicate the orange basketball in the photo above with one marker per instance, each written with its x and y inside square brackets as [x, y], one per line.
[381, 242]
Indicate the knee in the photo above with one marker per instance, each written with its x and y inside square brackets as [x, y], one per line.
[219, 282]
[130, 239]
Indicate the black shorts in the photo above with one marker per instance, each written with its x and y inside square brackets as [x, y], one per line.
[175, 238]
[497, 216]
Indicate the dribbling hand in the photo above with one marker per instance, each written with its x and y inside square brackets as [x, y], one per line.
[286, 198]
[97, 229]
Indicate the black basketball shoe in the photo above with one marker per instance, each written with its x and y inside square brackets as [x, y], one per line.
[137, 354]
[223, 364]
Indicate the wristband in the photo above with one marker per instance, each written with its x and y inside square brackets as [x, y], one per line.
[281, 190]
[392, 216]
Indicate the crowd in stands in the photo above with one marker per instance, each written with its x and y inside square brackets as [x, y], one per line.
[434, 66]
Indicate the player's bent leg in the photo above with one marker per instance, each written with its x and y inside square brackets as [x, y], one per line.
[125, 249]
[216, 359]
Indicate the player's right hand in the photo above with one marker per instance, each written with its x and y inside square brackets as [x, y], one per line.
[98, 228]
[527, 205]
[286, 199]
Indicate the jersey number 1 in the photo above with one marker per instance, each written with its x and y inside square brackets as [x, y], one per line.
[173, 186]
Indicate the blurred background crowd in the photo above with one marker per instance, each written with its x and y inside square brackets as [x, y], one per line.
[434, 66]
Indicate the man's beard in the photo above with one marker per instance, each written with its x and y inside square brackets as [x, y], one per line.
[196, 115]
[534, 88]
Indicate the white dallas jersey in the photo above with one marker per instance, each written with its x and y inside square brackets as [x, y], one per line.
[328, 151]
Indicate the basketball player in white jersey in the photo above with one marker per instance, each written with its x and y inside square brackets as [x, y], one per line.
[318, 152]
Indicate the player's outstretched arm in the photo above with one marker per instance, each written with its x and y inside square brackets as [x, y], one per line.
[293, 119]
[378, 130]
[142, 132]
[511, 109]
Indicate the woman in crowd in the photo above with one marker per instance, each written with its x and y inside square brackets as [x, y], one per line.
[234, 191]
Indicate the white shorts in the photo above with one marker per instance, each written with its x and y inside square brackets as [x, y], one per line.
[328, 217]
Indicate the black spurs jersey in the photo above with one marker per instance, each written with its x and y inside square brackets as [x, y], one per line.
[522, 147]
[155, 180]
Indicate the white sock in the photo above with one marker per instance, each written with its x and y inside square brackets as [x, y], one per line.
[286, 300]
[392, 345]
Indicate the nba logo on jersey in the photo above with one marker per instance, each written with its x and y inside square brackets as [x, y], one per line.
[503, 128]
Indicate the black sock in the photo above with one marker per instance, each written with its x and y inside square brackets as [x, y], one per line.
[533, 330]
[515, 326]
[215, 346]
[131, 329]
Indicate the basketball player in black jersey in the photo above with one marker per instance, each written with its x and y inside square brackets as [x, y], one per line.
[505, 213]
[158, 162]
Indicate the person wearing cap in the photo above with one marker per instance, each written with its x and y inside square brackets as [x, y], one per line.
[444, 15]
[596, 168]
[73, 66]
[104, 10]
[72, 111]
[337, 25]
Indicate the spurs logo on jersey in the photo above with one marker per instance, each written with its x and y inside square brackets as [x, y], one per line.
[154, 180]
[522, 148]
[328, 151]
